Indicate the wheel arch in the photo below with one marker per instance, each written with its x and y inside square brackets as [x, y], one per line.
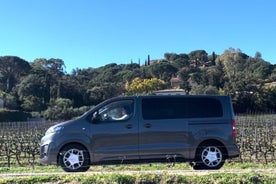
[213, 142]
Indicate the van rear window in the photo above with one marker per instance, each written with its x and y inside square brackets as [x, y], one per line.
[177, 108]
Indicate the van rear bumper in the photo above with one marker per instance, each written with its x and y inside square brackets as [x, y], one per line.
[233, 151]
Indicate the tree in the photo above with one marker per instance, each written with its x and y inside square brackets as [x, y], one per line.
[102, 92]
[170, 56]
[52, 70]
[32, 104]
[197, 90]
[54, 66]
[33, 85]
[198, 56]
[273, 73]
[73, 88]
[212, 76]
[108, 72]
[127, 75]
[267, 99]
[12, 68]
[34, 92]
[59, 109]
[10, 101]
[260, 69]
[258, 55]
[162, 70]
[201, 89]
[234, 67]
[131, 66]
[144, 86]
[190, 76]
[177, 60]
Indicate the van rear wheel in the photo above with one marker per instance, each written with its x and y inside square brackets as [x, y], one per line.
[74, 158]
[209, 157]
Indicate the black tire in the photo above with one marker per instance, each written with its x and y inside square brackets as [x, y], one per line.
[209, 157]
[74, 158]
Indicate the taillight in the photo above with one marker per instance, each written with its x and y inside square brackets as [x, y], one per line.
[234, 131]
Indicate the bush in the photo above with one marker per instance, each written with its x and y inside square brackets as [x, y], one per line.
[13, 115]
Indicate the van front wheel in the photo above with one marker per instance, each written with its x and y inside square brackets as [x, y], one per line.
[74, 158]
[209, 157]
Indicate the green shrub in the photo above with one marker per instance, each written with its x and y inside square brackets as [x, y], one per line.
[13, 115]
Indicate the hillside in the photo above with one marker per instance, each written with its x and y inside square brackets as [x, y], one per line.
[43, 88]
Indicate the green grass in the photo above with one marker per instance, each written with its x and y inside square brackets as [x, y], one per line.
[30, 169]
[249, 165]
[248, 176]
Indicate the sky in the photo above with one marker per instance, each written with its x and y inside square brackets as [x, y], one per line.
[94, 33]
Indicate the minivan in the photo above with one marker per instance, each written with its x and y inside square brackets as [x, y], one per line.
[198, 129]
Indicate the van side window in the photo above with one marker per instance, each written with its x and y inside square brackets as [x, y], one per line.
[204, 108]
[115, 111]
[177, 108]
[157, 108]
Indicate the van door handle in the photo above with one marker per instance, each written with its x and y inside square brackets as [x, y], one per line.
[129, 126]
[147, 125]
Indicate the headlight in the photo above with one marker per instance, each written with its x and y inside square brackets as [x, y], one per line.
[54, 129]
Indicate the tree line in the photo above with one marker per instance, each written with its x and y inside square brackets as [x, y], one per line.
[43, 88]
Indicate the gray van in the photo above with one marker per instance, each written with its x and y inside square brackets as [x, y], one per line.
[134, 129]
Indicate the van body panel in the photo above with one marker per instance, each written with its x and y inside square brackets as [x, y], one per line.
[161, 137]
[115, 141]
[77, 131]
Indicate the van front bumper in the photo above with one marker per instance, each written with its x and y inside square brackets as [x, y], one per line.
[48, 156]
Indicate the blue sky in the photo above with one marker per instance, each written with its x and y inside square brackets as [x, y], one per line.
[93, 33]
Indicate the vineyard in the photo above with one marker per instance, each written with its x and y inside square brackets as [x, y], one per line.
[20, 141]
[256, 138]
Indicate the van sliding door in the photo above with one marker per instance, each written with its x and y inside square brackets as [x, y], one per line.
[162, 133]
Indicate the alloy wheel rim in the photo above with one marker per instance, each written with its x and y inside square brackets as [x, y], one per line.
[73, 159]
[211, 156]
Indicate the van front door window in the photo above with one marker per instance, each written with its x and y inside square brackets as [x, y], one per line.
[116, 111]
